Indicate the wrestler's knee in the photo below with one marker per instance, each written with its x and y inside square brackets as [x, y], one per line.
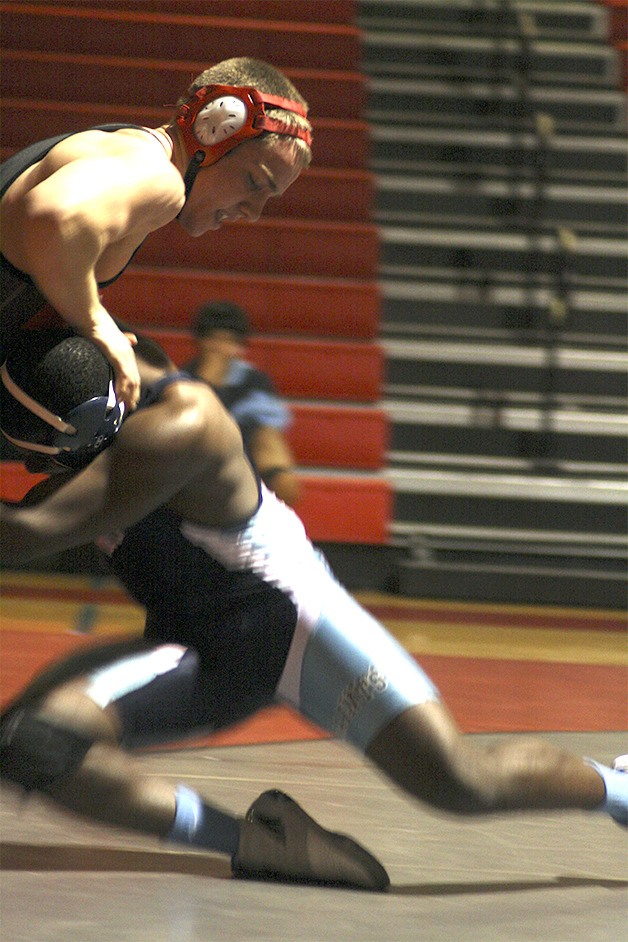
[44, 744]
[424, 753]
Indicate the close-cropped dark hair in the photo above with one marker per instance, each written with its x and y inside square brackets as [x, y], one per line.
[221, 315]
[56, 368]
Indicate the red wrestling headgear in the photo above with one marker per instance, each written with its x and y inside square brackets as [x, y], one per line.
[219, 117]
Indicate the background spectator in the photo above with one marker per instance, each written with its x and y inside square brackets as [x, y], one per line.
[221, 329]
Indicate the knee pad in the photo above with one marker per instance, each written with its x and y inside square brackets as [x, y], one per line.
[38, 754]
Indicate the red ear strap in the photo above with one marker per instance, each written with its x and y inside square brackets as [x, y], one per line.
[257, 121]
[277, 102]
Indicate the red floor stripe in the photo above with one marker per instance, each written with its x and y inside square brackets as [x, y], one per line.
[384, 612]
[517, 696]
[522, 619]
[484, 695]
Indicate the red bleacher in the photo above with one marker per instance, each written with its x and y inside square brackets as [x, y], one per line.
[326, 506]
[271, 246]
[323, 369]
[139, 81]
[298, 11]
[88, 29]
[276, 304]
[339, 436]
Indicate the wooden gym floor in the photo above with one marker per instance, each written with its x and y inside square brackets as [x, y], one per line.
[560, 673]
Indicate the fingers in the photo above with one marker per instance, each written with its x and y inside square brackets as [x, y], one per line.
[118, 348]
[127, 380]
[119, 352]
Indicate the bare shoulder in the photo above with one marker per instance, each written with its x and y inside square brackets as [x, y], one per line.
[188, 419]
[120, 185]
[123, 142]
[129, 160]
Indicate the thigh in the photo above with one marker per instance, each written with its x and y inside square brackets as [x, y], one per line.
[242, 645]
[354, 676]
[150, 693]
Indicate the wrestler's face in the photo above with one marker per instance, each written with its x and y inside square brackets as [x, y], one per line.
[225, 345]
[239, 185]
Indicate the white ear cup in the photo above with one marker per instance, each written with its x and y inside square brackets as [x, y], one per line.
[220, 119]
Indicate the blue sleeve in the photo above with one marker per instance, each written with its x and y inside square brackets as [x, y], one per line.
[253, 400]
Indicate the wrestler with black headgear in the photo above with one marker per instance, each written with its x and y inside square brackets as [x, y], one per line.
[240, 610]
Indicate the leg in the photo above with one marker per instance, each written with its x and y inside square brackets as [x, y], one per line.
[66, 744]
[423, 751]
[356, 681]
[109, 785]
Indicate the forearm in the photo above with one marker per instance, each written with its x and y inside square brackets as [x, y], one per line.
[274, 461]
[149, 462]
[26, 531]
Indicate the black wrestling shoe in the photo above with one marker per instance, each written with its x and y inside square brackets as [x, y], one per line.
[279, 841]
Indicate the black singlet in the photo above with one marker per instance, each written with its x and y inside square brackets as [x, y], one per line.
[240, 626]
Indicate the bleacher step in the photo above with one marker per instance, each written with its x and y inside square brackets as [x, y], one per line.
[340, 142]
[500, 311]
[167, 297]
[273, 246]
[483, 58]
[483, 153]
[509, 366]
[140, 82]
[495, 107]
[512, 584]
[505, 434]
[340, 506]
[340, 370]
[502, 250]
[89, 29]
[516, 501]
[298, 11]
[520, 206]
[576, 20]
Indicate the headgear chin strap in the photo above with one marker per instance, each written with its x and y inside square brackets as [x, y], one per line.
[81, 434]
[219, 117]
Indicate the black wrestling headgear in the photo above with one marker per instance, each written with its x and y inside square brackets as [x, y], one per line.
[74, 437]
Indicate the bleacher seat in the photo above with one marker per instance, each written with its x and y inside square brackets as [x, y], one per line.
[277, 304]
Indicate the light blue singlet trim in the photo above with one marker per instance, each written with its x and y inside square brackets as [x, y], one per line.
[355, 680]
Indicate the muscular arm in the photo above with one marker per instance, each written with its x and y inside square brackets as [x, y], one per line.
[77, 214]
[161, 454]
[76, 218]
